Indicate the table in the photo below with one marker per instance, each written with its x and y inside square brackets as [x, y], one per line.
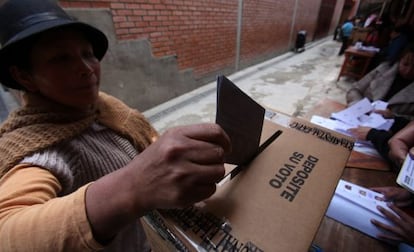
[356, 63]
[332, 235]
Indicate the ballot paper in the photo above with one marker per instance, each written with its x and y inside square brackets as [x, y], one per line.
[241, 118]
[355, 206]
[363, 113]
[406, 176]
[331, 124]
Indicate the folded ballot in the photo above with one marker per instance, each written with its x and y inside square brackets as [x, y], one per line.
[275, 203]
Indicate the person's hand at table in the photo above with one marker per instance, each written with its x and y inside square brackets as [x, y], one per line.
[386, 113]
[401, 144]
[398, 195]
[403, 228]
[360, 133]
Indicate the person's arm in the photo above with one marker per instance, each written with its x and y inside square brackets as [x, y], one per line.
[379, 138]
[401, 143]
[398, 195]
[179, 169]
[403, 229]
[30, 211]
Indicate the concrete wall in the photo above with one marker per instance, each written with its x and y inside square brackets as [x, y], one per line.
[163, 48]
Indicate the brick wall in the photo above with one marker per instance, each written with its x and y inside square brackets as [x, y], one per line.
[307, 17]
[202, 34]
[266, 28]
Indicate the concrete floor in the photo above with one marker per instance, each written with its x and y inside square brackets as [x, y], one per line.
[291, 83]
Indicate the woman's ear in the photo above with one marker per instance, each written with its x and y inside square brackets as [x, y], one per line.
[22, 77]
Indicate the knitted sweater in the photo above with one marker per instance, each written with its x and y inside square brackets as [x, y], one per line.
[42, 123]
[77, 154]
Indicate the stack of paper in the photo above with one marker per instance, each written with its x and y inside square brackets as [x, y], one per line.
[362, 114]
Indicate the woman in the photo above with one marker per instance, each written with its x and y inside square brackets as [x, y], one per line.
[393, 84]
[78, 168]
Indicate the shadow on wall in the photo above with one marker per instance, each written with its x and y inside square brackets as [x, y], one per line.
[130, 72]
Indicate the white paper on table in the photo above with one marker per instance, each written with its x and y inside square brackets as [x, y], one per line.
[331, 124]
[355, 206]
[380, 105]
[365, 147]
[387, 125]
[360, 114]
[376, 121]
[351, 114]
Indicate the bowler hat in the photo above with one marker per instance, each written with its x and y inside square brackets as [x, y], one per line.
[22, 19]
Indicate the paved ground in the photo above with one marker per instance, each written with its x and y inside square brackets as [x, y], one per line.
[291, 83]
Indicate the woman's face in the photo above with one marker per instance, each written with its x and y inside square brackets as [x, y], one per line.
[406, 66]
[64, 68]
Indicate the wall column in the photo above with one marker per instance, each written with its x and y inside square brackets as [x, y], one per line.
[292, 27]
[238, 36]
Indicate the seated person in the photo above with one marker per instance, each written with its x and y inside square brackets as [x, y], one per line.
[403, 231]
[393, 84]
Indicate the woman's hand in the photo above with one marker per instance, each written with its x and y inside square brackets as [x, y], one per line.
[181, 168]
[387, 114]
[404, 225]
[399, 196]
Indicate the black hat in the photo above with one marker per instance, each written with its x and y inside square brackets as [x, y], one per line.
[22, 19]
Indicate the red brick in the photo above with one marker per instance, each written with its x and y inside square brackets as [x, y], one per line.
[117, 6]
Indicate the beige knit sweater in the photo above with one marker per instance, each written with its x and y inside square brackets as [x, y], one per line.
[41, 123]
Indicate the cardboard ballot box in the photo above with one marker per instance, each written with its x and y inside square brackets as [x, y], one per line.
[275, 204]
